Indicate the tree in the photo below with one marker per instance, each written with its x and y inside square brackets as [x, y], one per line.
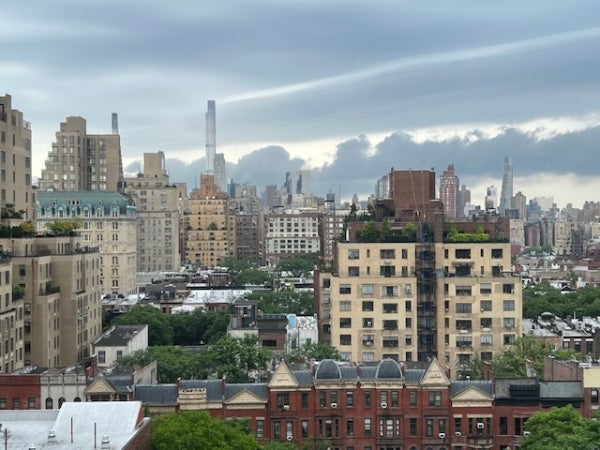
[368, 232]
[64, 227]
[160, 331]
[195, 429]
[560, 429]
[512, 363]
[198, 327]
[237, 359]
[251, 276]
[172, 362]
[318, 352]
[299, 264]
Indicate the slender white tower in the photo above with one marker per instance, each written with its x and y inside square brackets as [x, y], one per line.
[211, 136]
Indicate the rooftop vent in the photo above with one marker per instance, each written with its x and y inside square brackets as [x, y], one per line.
[105, 444]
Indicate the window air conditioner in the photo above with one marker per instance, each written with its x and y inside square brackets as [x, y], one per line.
[457, 433]
[442, 435]
[368, 323]
[526, 433]
[286, 407]
[334, 405]
[383, 405]
[480, 425]
[290, 437]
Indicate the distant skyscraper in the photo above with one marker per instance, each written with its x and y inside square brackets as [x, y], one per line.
[464, 198]
[507, 185]
[519, 202]
[491, 197]
[211, 136]
[449, 192]
[219, 171]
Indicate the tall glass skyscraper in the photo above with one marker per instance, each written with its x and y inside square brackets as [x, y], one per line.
[507, 186]
[211, 136]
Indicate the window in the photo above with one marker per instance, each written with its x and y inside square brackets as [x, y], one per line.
[508, 288]
[404, 253]
[353, 271]
[594, 396]
[486, 305]
[102, 357]
[349, 427]
[345, 339]
[368, 427]
[503, 425]
[412, 426]
[49, 403]
[496, 253]
[349, 398]
[390, 324]
[458, 424]
[345, 289]
[368, 322]
[461, 253]
[435, 398]
[463, 308]
[16, 403]
[429, 427]
[367, 306]
[31, 403]
[305, 428]
[304, 400]
[508, 305]
[387, 271]
[408, 306]
[389, 291]
[463, 290]
[283, 399]
[345, 322]
[326, 283]
[353, 253]
[508, 322]
[367, 399]
[486, 339]
[509, 339]
[322, 399]
[345, 306]
[390, 308]
[485, 288]
[367, 289]
[260, 428]
[387, 254]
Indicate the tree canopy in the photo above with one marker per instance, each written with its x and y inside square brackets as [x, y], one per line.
[197, 429]
[315, 351]
[286, 301]
[512, 362]
[172, 362]
[543, 297]
[560, 429]
[238, 359]
[177, 329]
[298, 265]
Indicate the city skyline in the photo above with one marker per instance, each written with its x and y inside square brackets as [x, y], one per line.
[439, 83]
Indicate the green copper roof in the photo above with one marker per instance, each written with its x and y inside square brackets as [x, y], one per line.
[85, 200]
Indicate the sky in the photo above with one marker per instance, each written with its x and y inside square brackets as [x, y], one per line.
[347, 88]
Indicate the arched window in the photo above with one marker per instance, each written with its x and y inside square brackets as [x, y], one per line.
[60, 402]
[49, 403]
[76, 399]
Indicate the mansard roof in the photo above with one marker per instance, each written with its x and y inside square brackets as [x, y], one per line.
[328, 369]
[388, 369]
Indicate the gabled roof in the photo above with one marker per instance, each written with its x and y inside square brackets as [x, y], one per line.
[246, 392]
[435, 375]
[283, 377]
[460, 386]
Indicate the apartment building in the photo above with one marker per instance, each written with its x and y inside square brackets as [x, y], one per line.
[82, 161]
[16, 195]
[61, 309]
[289, 233]
[210, 229]
[369, 303]
[157, 211]
[108, 221]
[406, 302]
